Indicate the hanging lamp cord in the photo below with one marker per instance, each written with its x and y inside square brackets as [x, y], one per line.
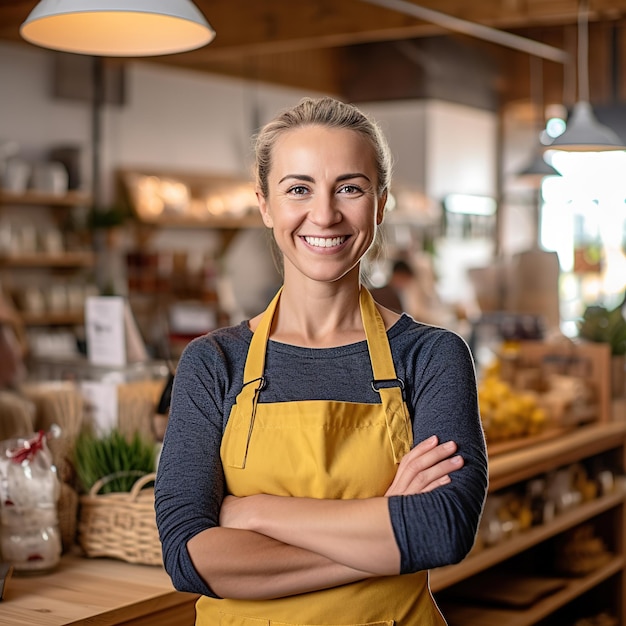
[583, 50]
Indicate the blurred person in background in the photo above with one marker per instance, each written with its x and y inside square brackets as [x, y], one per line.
[411, 289]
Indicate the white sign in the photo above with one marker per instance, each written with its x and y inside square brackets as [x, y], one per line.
[105, 328]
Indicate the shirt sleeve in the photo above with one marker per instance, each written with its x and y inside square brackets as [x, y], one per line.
[439, 527]
[190, 483]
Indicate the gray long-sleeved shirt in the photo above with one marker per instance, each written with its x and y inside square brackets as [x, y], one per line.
[431, 529]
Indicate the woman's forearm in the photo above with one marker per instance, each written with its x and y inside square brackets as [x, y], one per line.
[355, 533]
[248, 565]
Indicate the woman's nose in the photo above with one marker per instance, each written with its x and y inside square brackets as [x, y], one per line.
[324, 211]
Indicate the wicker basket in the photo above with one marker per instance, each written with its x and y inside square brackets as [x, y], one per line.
[67, 511]
[120, 525]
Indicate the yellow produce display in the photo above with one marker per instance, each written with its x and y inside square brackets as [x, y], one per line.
[508, 413]
[532, 388]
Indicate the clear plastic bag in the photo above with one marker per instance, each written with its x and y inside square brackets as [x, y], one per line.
[29, 488]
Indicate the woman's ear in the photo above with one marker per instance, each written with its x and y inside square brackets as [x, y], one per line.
[264, 210]
[380, 211]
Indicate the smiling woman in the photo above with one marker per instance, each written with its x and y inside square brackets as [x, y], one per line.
[318, 496]
[322, 202]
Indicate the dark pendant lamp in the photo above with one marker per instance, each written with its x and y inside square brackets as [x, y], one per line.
[584, 133]
[117, 28]
[538, 168]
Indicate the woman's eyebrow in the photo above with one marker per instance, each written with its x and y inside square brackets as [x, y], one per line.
[353, 175]
[310, 179]
[302, 177]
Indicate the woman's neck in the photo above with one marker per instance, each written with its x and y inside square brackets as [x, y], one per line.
[328, 315]
[323, 318]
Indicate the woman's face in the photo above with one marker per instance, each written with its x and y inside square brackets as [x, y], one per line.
[322, 201]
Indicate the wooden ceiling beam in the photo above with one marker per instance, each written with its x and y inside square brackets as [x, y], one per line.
[309, 44]
[246, 29]
[280, 26]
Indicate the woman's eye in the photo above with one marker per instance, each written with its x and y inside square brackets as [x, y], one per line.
[298, 190]
[350, 189]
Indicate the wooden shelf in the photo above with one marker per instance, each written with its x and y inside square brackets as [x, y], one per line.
[252, 220]
[41, 260]
[68, 318]
[488, 557]
[472, 615]
[37, 198]
[232, 195]
[574, 445]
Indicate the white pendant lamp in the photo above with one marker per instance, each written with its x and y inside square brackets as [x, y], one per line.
[117, 28]
[584, 133]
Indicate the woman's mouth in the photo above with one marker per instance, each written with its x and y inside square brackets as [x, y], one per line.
[325, 242]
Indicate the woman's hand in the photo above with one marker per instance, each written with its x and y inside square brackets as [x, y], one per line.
[427, 466]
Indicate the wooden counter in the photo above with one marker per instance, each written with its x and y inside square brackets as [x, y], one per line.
[98, 592]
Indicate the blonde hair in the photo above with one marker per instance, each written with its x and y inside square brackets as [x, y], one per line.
[330, 113]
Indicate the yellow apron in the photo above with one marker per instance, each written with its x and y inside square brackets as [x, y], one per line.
[322, 449]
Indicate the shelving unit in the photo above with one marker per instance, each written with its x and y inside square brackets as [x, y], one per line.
[46, 265]
[183, 224]
[473, 616]
[508, 469]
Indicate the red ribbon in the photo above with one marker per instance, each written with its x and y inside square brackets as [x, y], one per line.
[29, 450]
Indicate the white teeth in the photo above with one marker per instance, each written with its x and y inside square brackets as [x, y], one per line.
[324, 242]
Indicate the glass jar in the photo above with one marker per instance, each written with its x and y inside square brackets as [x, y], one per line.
[29, 487]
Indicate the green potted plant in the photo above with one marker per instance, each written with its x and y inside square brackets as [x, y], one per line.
[109, 217]
[601, 324]
[113, 457]
[106, 223]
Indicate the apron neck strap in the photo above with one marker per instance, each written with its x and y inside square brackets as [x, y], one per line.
[377, 342]
[375, 333]
[255, 362]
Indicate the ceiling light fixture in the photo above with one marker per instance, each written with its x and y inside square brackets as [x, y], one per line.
[537, 168]
[117, 28]
[584, 133]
